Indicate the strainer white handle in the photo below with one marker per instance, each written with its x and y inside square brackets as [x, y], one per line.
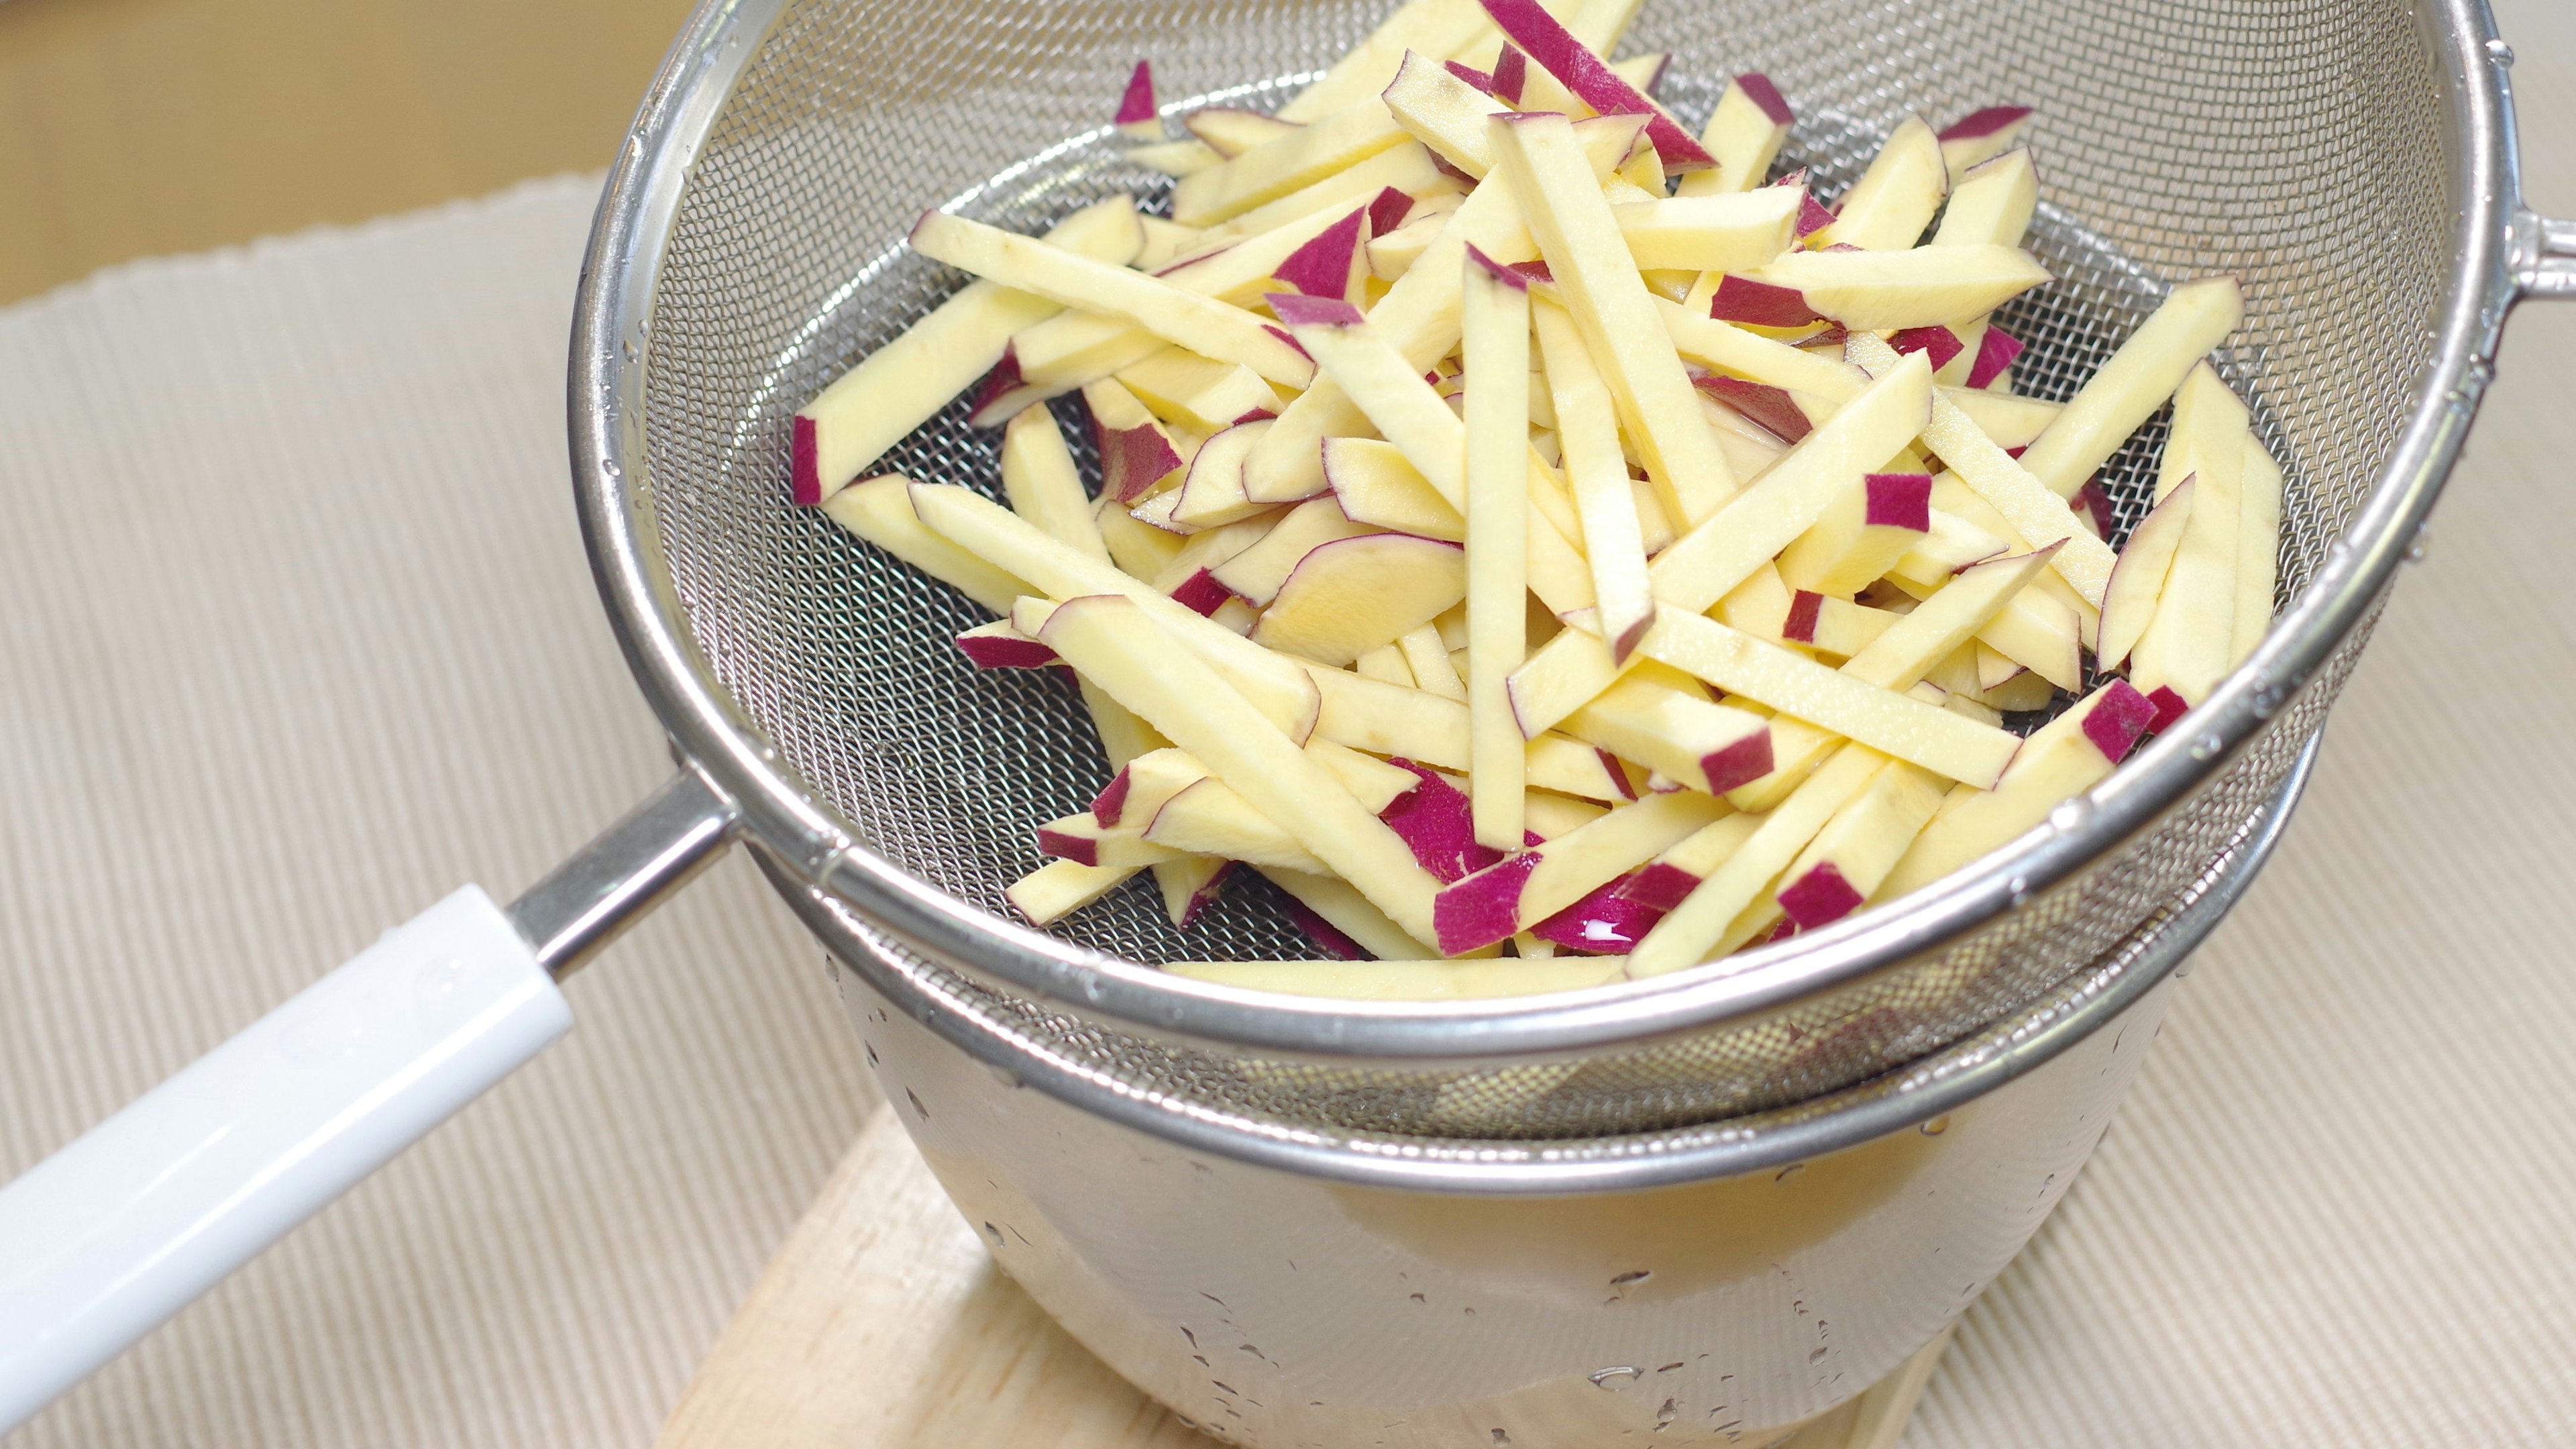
[106, 1239]
[121, 1229]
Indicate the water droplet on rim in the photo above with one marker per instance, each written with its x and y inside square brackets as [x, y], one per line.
[2502, 52]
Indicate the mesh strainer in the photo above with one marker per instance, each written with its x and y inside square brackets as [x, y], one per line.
[2345, 161]
[2349, 160]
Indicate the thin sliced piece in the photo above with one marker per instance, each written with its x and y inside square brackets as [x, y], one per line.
[2036, 512]
[880, 510]
[1545, 166]
[1418, 317]
[901, 385]
[1286, 163]
[2258, 548]
[1892, 290]
[1725, 550]
[1415, 724]
[1893, 723]
[2190, 643]
[1353, 594]
[2129, 605]
[1725, 232]
[1278, 688]
[1597, 473]
[1897, 197]
[1119, 646]
[1522, 890]
[1678, 732]
[1853, 854]
[2065, 758]
[1745, 133]
[1688, 932]
[1044, 486]
[1201, 324]
[1061, 887]
[2128, 389]
[1495, 338]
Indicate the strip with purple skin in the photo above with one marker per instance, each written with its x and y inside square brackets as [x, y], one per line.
[1618, 774]
[1322, 267]
[1741, 763]
[1483, 908]
[1805, 608]
[1780, 932]
[1298, 310]
[1208, 892]
[1660, 886]
[1388, 211]
[1481, 80]
[1201, 593]
[1437, 823]
[1002, 393]
[1328, 938]
[805, 464]
[2169, 708]
[1759, 304]
[1510, 276]
[2117, 719]
[1984, 122]
[1137, 106]
[1819, 897]
[1940, 343]
[1607, 922]
[2015, 454]
[1003, 650]
[1111, 802]
[1547, 41]
[1293, 344]
[1511, 75]
[1995, 356]
[1080, 849]
[1760, 91]
[1813, 218]
[1899, 500]
[2096, 499]
[1133, 460]
[1769, 406]
[1530, 272]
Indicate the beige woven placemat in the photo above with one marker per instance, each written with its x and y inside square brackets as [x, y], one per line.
[295, 635]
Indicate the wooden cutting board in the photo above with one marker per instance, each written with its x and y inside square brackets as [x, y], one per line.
[882, 1324]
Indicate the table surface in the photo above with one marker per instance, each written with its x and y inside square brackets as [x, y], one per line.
[133, 128]
[2345, 1163]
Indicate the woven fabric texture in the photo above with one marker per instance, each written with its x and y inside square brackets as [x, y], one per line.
[295, 636]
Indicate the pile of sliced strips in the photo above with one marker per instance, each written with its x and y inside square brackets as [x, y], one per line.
[1546, 546]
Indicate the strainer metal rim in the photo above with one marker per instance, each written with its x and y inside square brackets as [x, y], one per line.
[781, 815]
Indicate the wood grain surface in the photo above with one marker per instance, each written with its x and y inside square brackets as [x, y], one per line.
[131, 128]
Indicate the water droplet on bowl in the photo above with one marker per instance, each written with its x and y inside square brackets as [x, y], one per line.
[2206, 747]
[2502, 52]
[2421, 545]
[1612, 1378]
[1936, 1126]
[2071, 815]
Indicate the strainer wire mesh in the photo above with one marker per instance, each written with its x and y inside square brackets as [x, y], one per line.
[2288, 142]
